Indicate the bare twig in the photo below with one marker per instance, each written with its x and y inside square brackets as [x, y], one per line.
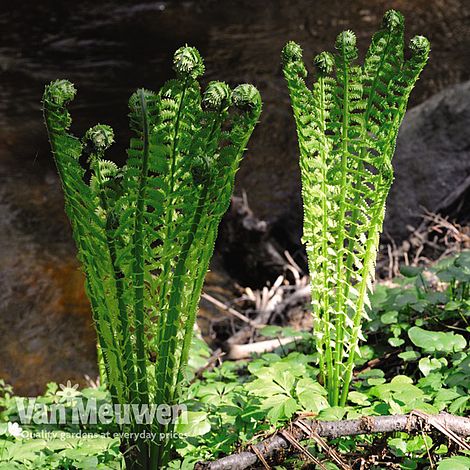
[322, 443]
[435, 238]
[261, 458]
[229, 310]
[241, 351]
[296, 444]
[215, 358]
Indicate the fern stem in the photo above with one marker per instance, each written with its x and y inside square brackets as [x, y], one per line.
[169, 215]
[139, 262]
[202, 269]
[79, 235]
[325, 294]
[340, 322]
[166, 361]
[128, 376]
[169, 335]
[129, 364]
[359, 182]
[369, 259]
[195, 295]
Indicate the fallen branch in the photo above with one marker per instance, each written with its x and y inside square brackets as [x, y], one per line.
[242, 351]
[274, 448]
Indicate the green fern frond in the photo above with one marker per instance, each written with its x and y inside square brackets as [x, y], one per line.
[347, 127]
[145, 232]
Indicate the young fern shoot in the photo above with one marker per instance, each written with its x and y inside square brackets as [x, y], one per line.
[347, 126]
[145, 232]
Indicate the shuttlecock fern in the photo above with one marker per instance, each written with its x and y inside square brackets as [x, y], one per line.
[347, 126]
[145, 232]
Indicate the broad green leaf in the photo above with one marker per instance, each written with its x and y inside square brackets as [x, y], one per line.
[279, 407]
[308, 384]
[436, 341]
[410, 271]
[335, 413]
[389, 317]
[397, 446]
[395, 342]
[419, 444]
[409, 356]
[429, 364]
[358, 398]
[193, 423]
[458, 462]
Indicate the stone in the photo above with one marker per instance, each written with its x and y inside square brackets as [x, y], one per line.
[432, 158]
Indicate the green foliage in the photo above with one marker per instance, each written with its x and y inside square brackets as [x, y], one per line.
[427, 316]
[72, 446]
[347, 127]
[458, 462]
[286, 387]
[238, 403]
[431, 341]
[145, 232]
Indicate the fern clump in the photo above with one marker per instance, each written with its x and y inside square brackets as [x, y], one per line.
[145, 232]
[347, 126]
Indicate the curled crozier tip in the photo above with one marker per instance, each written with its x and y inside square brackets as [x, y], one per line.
[188, 62]
[291, 52]
[393, 20]
[218, 95]
[420, 46]
[135, 101]
[60, 92]
[324, 63]
[99, 137]
[246, 97]
[202, 170]
[346, 44]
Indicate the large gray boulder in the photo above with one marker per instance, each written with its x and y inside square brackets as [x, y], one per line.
[432, 159]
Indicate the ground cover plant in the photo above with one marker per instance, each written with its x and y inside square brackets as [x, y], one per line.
[145, 232]
[347, 127]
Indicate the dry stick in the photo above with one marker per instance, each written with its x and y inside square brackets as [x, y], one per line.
[229, 310]
[215, 358]
[243, 351]
[452, 434]
[335, 456]
[261, 458]
[296, 444]
[455, 427]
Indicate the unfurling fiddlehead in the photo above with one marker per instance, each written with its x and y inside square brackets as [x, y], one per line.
[347, 126]
[145, 232]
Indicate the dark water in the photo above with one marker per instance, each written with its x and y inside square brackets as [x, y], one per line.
[108, 49]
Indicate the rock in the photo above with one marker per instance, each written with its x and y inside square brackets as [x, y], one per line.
[432, 159]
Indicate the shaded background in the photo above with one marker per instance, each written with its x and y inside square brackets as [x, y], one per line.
[108, 49]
